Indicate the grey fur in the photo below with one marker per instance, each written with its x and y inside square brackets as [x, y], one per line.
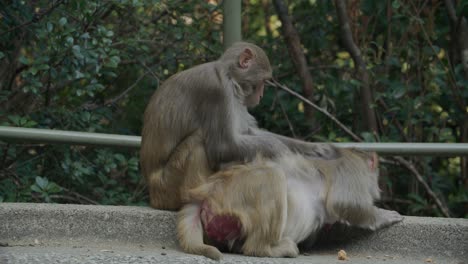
[211, 97]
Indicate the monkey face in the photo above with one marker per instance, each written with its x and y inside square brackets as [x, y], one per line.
[255, 95]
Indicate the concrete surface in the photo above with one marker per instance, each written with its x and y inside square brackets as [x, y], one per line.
[51, 233]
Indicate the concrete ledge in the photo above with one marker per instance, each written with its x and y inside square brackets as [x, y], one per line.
[27, 223]
[55, 224]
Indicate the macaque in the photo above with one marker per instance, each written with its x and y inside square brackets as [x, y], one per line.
[213, 98]
[266, 207]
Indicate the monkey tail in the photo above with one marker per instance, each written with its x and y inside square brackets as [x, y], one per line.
[190, 233]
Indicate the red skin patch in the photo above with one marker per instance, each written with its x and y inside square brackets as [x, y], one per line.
[220, 228]
[223, 228]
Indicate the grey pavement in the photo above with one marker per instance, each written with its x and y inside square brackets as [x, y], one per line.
[52, 233]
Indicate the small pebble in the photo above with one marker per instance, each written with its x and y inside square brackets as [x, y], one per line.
[164, 254]
[342, 255]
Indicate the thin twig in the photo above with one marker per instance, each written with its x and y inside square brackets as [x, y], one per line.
[368, 112]
[36, 18]
[120, 96]
[451, 75]
[294, 45]
[400, 160]
[151, 71]
[419, 177]
[80, 196]
[287, 118]
[316, 107]
[66, 197]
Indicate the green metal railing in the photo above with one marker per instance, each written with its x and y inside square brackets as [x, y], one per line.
[18, 134]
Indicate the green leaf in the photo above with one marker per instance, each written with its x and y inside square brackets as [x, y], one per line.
[63, 21]
[368, 137]
[15, 119]
[24, 60]
[42, 182]
[120, 157]
[53, 188]
[77, 51]
[50, 26]
[78, 74]
[30, 123]
[35, 188]
[113, 62]
[33, 70]
[69, 40]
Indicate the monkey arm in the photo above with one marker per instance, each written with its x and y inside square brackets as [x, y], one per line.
[223, 122]
[320, 150]
[241, 148]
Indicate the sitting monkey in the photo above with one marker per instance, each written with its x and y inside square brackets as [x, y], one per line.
[266, 207]
[213, 98]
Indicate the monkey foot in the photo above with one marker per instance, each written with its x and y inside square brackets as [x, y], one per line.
[220, 228]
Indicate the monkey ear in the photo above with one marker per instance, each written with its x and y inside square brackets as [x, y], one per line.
[245, 58]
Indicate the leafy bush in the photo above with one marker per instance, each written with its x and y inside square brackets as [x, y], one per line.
[92, 66]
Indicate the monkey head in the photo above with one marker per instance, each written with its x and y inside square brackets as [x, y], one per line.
[248, 66]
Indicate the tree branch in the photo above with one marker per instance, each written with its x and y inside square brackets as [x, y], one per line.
[459, 28]
[36, 17]
[316, 107]
[79, 196]
[293, 42]
[419, 177]
[400, 160]
[368, 112]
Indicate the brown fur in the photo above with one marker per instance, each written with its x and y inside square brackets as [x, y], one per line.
[212, 98]
[270, 207]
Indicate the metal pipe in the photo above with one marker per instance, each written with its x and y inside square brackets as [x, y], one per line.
[231, 22]
[20, 134]
[410, 149]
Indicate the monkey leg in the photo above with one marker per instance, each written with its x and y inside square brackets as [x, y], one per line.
[385, 218]
[186, 168]
[247, 203]
[354, 188]
[190, 233]
[266, 213]
[352, 185]
[164, 193]
[379, 218]
[285, 247]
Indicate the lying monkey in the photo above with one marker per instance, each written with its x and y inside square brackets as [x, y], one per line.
[266, 207]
